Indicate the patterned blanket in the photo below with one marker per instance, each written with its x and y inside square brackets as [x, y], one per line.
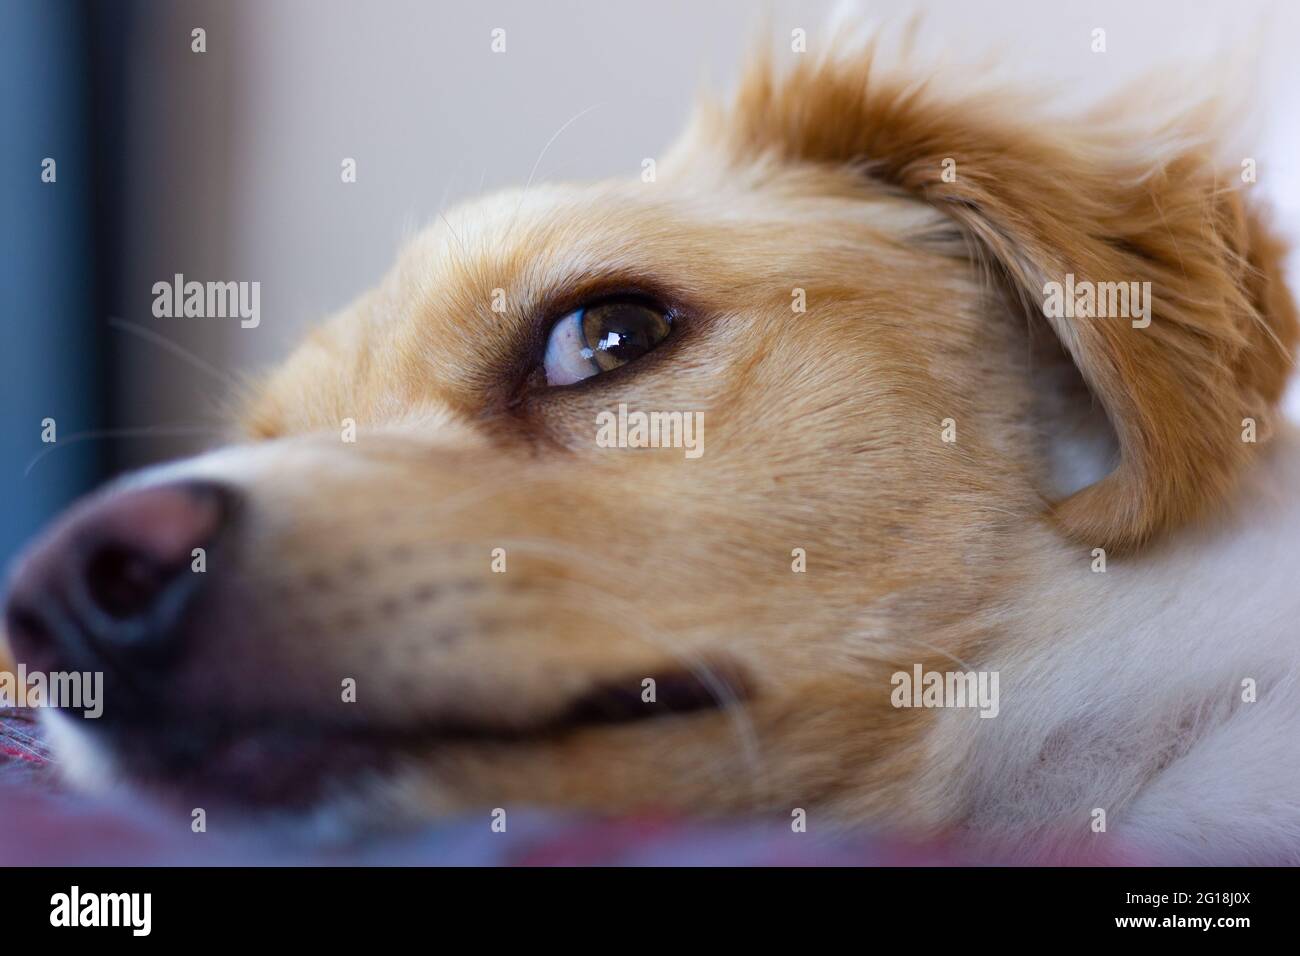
[23, 757]
[40, 824]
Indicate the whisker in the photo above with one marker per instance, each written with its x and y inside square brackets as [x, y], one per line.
[533, 172]
[154, 430]
[913, 639]
[456, 236]
[742, 725]
[177, 350]
[623, 612]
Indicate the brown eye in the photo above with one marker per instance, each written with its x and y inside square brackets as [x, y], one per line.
[602, 337]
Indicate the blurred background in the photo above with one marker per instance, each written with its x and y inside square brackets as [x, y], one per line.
[226, 164]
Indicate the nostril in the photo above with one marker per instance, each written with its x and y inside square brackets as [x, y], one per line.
[141, 543]
[124, 582]
[26, 628]
[114, 570]
[34, 638]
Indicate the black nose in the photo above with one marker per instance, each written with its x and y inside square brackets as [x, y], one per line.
[105, 588]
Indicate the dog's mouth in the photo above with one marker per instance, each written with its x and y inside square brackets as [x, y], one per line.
[296, 764]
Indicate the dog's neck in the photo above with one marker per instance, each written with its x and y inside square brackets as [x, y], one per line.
[1233, 575]
[1122, 689]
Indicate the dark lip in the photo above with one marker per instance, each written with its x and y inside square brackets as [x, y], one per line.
[295, 765]
[254, 770]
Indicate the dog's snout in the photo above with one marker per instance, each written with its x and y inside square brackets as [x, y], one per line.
[110, 581]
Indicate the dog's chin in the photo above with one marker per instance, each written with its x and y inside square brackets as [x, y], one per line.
[297, 768]
[254, 772]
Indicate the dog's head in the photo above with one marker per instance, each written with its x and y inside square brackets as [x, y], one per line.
[436, 575]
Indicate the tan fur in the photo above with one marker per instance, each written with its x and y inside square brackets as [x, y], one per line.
[1045, 199]
[822, 432]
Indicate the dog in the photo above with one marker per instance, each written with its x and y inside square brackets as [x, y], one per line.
[418, 583]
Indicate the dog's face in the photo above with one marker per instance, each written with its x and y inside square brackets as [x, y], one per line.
[503, 677]
[434, 587]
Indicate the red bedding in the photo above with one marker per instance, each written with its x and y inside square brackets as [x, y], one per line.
[41, 824]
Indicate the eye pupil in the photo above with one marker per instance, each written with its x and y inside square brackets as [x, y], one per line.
[621, 332]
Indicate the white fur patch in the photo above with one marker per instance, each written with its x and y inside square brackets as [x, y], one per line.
[1123, 691]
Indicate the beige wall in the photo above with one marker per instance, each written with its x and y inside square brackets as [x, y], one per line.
[240, 148]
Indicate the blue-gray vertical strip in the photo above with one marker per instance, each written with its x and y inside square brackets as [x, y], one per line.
[50, 361]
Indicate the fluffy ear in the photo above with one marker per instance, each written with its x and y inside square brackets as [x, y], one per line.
[1041, 203]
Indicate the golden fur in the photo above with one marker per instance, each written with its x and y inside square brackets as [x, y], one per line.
[371, 560]
[823, 428]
